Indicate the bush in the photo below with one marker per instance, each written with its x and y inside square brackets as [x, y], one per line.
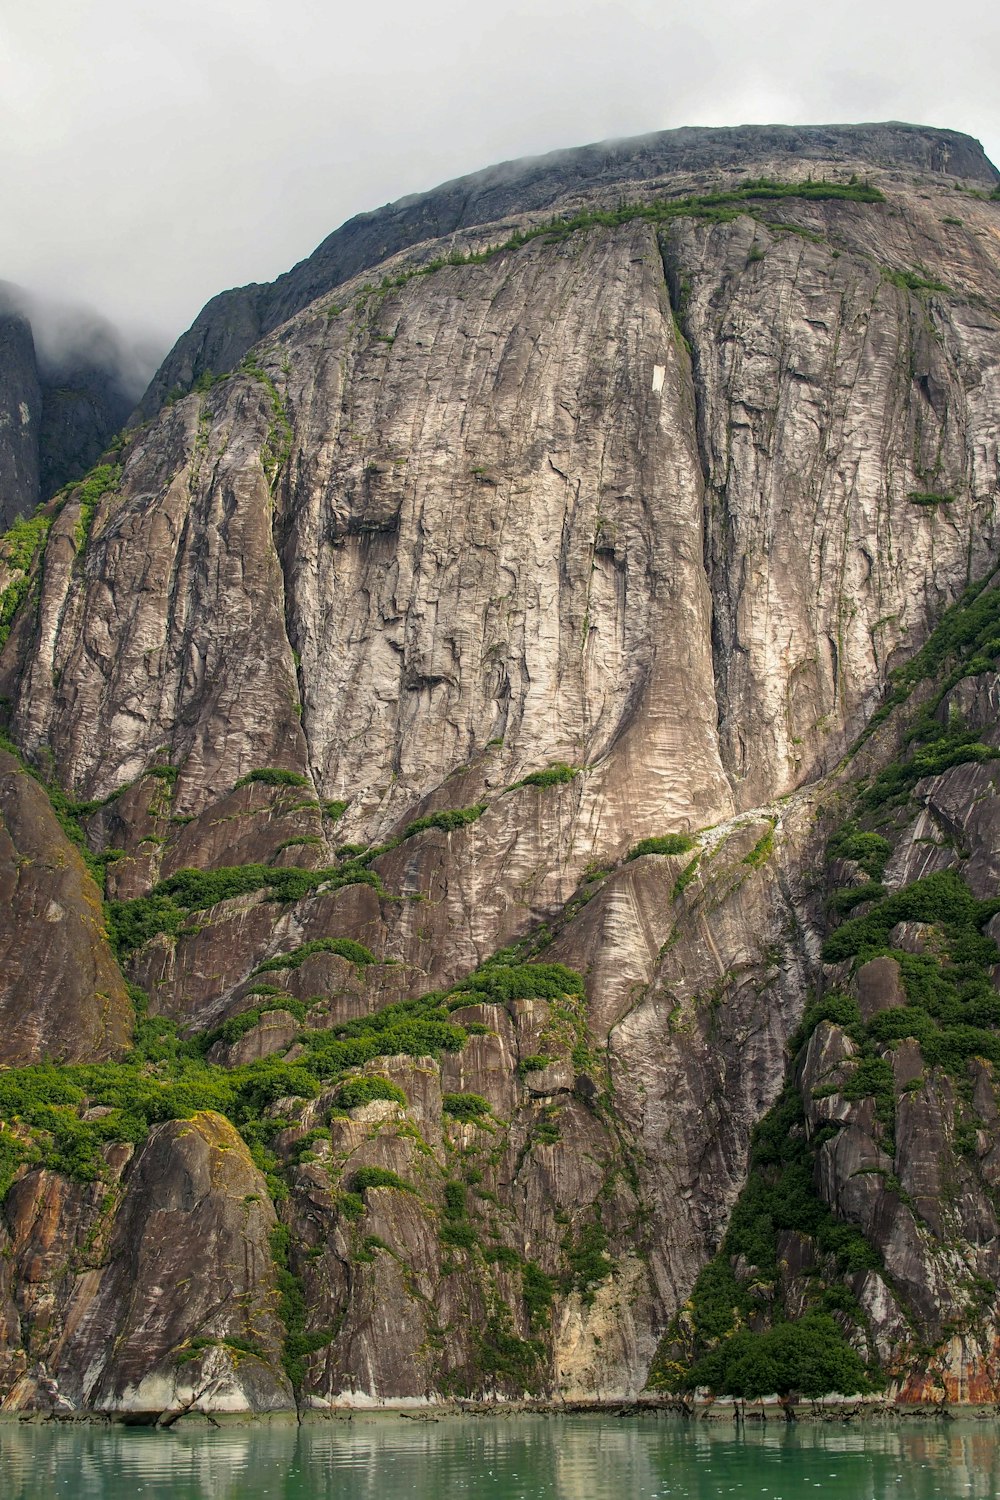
[586, 1259]
[362, 1090]
[533, 1064]
[496, 983]
[347, 948]
[131, 923]
[668, 843]
[940, 898]
[91, 491]
[376, 1177]
[555, 775]
[457, 818]
[868, 850]
[273, 776]
[465, 1106]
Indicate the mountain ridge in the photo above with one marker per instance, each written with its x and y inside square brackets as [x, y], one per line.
[233, 321]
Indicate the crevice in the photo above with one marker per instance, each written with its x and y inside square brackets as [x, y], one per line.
[678, 291]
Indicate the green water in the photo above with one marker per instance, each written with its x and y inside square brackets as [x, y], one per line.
[503, 1458]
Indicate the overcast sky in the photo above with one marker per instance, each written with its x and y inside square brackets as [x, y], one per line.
[155, 152]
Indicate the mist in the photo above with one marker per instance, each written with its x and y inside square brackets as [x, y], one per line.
[71, 340]
[154, 156]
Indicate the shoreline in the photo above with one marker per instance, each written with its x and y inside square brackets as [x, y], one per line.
[863, 1411]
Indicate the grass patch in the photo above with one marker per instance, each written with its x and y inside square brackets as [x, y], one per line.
[19, 547]
[465, 1106]
[89, 494]
[347, 948]
[274, 776]
[366, 1178]
[558, 774]
[668, 843]
[354, 1092]
[458, 817]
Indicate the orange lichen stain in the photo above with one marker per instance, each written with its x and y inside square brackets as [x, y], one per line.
[961, 1372]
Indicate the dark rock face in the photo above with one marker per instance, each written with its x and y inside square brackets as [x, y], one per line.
[20, 418]
[63, 396]
[386, 653]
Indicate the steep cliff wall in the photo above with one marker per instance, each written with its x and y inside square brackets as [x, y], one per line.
[457, 700]
[67, 385]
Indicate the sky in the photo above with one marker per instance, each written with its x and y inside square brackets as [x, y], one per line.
[156, 153]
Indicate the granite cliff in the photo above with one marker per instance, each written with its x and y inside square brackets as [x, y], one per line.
[498, 809]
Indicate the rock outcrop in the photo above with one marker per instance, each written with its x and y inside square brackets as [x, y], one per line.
[472, 702]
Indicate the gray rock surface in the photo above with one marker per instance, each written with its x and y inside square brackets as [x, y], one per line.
[640, 502]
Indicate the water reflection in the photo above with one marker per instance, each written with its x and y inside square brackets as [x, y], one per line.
[503, 1458]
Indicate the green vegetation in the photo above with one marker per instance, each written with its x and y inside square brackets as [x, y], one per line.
[504, 1358]
[934, 748]
[779, 1195]
[347, 948]
[538, 1291]
[929, 497]
[809, 1357]
[952, 1006]
[554, 775]
[273, 776]
[714, 208]
[967, 634]
[376, 1177]
[587, 1261]
[168, 1077]
[465, 1106]
[868, 850]
[763, 849]
[297, 1344]
[497, 982]
[171, 901]
[90, 492]
[457, 817]
[237, 1026]
[913, 281]
[456, 1230]
[277, 444]
[19, 548]
[668, 843]
[686, 876]
[354, 1092]
[68, 814]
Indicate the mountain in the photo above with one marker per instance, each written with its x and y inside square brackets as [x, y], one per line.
[499, 826]
[68, 381]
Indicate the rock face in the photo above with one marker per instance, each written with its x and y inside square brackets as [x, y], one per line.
[500, 633]
[132, 1323]
[61, 992]
[64, 393]
[232, 322]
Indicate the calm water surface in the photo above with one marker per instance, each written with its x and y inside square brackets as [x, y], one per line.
[503, 1458]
